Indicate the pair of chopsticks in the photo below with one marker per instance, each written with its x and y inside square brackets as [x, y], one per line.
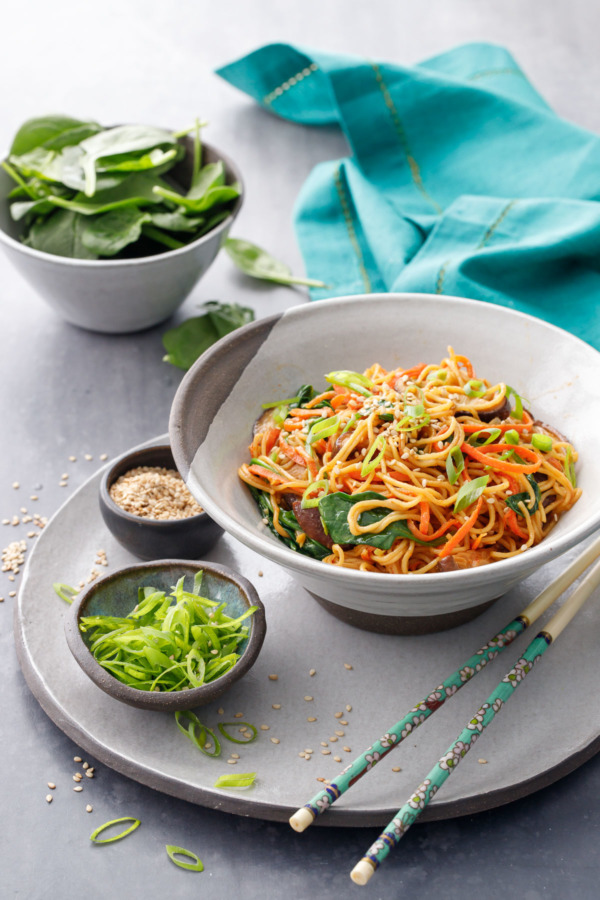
[419, 799]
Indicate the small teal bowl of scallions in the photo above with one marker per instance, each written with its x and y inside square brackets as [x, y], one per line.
[167, 635]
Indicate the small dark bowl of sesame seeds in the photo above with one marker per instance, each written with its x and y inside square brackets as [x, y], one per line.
[145, 504]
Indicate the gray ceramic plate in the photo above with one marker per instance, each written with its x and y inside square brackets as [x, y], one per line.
[551, 726]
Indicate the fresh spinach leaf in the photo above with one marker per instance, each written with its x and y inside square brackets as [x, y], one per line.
[214, 196]
[60, 234]
[531, 505]
[45, 129]
[211, 175]
[334, 509]
[185, 343]
[257, 263]
[290, 522]
[122, 139]
[107, 234]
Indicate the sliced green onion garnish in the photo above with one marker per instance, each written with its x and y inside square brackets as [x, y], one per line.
[287, 402]
[473, 388]
[541, 442]
[65, 592]
[570, 468]
[455, 463]
[223, 725]
[281, 414]
[195, 866]
[322, 428]
[199, 739]
[469, 492]
[379, 444]
[244, 779]
[517, 412]
[511, 436]
[356, 382]
[486, 436]
[117, 837]
[438, 375]
[354, 418]
[321, 486]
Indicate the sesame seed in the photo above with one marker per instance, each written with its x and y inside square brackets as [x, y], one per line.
[348, 708]
[264, 727]
[89, 773]
[103, 456]
[338, 715]
[273, 677]
[260, 573]
[312, 672]
[396, 769]
[86, 765]
[337, 758]
[238, 715]
[347, 666]
[308, 698]
[326, 752]
[51, 785]
[323, 743]
[235, 755]
[312, 719]
[340, 733]
[232, 762]
[64, 476]
[320, 779]
[482, 761]
[78, 788]
[87, 456]
[16, 485]
[12, 593]
[48, 798]
[302, 754]
[154, 492]
[347, 749]
[276, 705]
[89, 808]
[274, 740]
[343, 722]
[220, 710]
[34, 497]
[77, 759]
[72, 459]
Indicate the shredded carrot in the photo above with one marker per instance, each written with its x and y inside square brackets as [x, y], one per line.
[414, 372]
[511, 520]
[425, 516]
[501, 464]
[271, 439]
[307, 413]
[339, 400]
[451, 523]
[263, 472]
[327, 395]
[470, 428]
[293, 425]
[462, 531]
[296, 454]
[475, 544]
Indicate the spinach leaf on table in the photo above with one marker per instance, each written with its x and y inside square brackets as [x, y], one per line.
[185, 343]
[256, 262]
[334, 509]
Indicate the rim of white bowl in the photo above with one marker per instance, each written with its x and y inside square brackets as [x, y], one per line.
[266, 544]
[138, 260]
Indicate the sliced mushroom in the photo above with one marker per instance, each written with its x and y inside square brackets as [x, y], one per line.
[501, 411]
[309, 521]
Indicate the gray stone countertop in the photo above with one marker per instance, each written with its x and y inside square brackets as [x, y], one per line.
[69, 392]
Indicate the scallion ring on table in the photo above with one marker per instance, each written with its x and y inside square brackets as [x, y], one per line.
[117, 837]
[195, 866]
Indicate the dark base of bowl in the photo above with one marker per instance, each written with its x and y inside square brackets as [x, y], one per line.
[402, 624]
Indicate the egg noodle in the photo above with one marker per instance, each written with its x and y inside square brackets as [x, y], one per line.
[414, 470]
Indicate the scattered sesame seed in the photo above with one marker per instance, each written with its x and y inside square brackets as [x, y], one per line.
[482, 761]
[333, 738]
[89, 808]
[34, 497]
[87, 456]
[51, 785]
[264, 727]
[273, 677]
[326, 752]
[232, 762]
[78, 788]
[1, 599]
[72, 459]
[16, 485]
[312, 672]
[338, 715]
[323, 743]
[86, 765]
[235, 755]
[48, 798]
[340, 733]
[396, 769]
[308, 698]
[89, 773]
[77, 759]
[337, 758]
[12, 593]
[320, 779]
[348, 708]
[103, 456]
[274, 740]
[347, 749]
[347, 666]
[343, 722]
[312, 719]
[238, 715]
[220, 710]
[6, 521]
[276, 705]
[260, 574]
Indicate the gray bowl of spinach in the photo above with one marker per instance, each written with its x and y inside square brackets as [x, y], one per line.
[114, 226]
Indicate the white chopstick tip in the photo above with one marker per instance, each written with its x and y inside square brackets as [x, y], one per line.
[362, 872]
[301, 819]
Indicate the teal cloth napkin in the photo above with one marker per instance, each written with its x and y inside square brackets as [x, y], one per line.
[461, 180]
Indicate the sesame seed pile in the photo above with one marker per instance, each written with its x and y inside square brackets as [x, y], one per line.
[154, 493]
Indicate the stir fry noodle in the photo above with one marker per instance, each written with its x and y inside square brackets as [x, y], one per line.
[424, 469]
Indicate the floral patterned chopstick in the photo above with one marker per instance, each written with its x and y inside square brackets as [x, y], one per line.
[414, 806]
[306, 815]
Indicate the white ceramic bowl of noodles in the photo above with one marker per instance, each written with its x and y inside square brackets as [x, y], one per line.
[220, 398]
